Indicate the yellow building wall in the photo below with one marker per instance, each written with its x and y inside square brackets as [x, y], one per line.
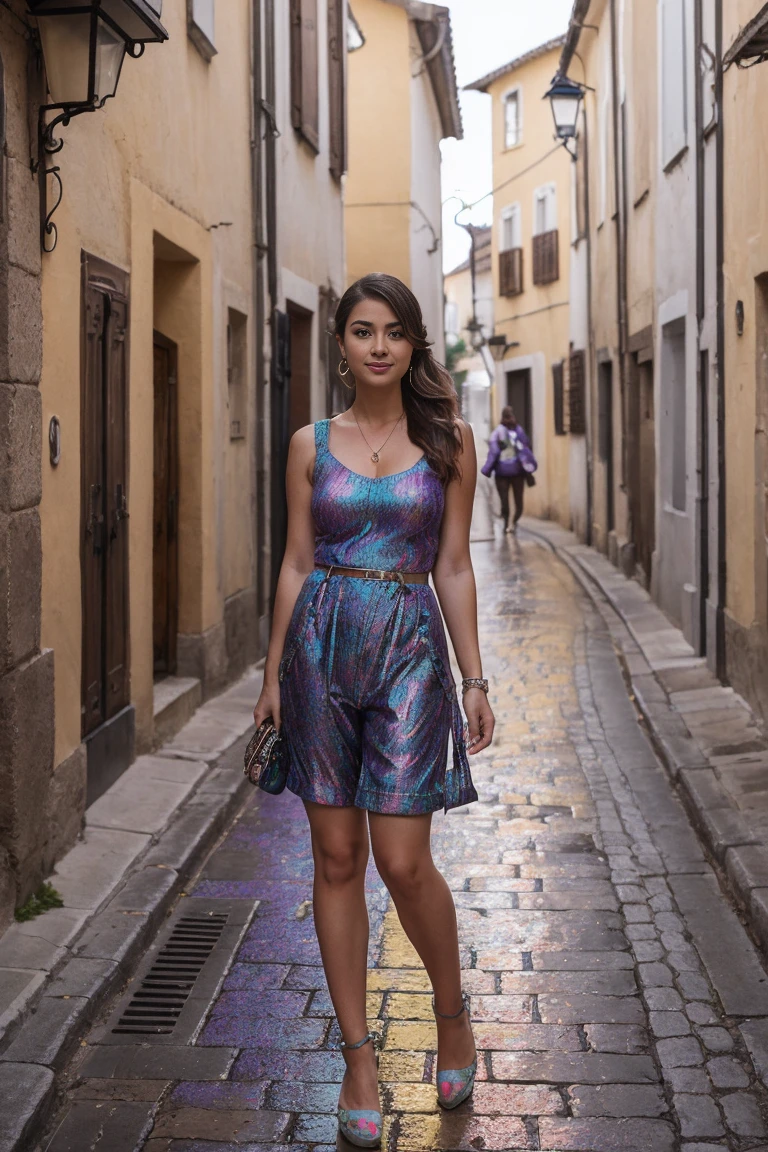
[379, 126]
[132, 175]
[746, 379]
[538, 318]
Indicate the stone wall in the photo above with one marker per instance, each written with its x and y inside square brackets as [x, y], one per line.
[26, 673]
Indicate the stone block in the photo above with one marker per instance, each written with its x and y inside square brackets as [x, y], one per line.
[27, 1092]
[92, 870]
[7, 889]
[118, 936]
[117, 1124]
[23, 203]
[50, 1033]
[18, 988]
[726, 1072]
[747, 868]
[241, 630]
[698, 1116]
[619, 1100]
[20, 446]
[20, 587]
[171, 1062]
[65, 813]
[83, 976]
[26, 760]
[21, 327]
[146, 891]
[742, 1114]
[204, 655]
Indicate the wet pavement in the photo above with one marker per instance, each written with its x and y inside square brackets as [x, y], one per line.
[616, 998]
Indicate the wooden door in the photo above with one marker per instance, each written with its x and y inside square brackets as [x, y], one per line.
[280, 435]
[519, 398]
[165, 550]
[641, 464]
[605, 435]
[104, 494]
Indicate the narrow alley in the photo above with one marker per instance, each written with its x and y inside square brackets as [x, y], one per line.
[615, 994]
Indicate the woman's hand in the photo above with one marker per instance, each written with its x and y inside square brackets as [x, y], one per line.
[480, 719]
[268, 703]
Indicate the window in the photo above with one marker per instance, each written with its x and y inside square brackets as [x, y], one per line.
[201, 26]
[546, 259]
[337, 125]
[305, 110]
[511, 252]
[236, 372]
[513, 121]
[558, 372]
[511, 228]
[673, 80]
[545, 209]
[577, 420]
[673, 382]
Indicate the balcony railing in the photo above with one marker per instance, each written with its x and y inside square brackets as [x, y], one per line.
[546, 261]
[511, 272]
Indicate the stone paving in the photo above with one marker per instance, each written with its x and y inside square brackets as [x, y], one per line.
[618, 1004]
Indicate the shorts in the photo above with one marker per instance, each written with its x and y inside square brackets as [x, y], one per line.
[368, 701]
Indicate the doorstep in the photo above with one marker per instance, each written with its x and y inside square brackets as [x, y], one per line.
[175, 701]
[713, 746]
[142, 840]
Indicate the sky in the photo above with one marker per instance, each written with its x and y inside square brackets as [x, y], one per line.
[486, 34]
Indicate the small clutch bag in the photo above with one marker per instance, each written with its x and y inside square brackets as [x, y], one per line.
[266, 760]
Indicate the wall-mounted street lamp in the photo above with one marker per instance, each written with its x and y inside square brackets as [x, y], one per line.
[84, 43]
[565, 97]
[499, 347]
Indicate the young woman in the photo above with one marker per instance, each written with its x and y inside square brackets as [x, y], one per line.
[509, 451]
[358, 673]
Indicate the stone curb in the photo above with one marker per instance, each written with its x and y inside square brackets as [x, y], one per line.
[107, 949]
[740, 851]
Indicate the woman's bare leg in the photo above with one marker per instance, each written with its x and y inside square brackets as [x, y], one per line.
[401, 849]
[340, 851]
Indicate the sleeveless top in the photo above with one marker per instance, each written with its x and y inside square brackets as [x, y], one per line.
[388, 522]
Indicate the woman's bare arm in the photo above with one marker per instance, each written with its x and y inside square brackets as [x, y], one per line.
[298, 562]
[454, 582]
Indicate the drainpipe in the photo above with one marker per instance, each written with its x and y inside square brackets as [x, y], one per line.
[720, 657]
[621, 231]
[590, 336]
[702, 376]
[259, 249]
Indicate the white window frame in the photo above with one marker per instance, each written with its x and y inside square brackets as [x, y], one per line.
[201, 26]
[673, 69]
[513, 212]
[518, 93]
[546, 193]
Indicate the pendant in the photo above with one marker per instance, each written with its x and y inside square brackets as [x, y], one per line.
[375, 457]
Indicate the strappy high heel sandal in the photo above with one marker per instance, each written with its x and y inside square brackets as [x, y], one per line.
[361, 1126]
[454, 1086]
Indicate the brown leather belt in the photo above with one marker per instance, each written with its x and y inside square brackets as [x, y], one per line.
[376, 574]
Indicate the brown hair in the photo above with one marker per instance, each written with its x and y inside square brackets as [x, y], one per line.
[429, 397]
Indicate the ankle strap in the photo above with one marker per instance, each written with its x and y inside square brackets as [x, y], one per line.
[372, 1038]
[453, 1015]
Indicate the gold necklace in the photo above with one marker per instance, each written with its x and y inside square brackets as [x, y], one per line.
[375, 452]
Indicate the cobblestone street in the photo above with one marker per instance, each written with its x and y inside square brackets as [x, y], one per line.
[616, 998]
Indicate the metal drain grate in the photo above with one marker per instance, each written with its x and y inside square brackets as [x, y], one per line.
[180, 975]
[156, 1005]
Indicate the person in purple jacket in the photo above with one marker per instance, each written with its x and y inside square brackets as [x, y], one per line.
[510, 459]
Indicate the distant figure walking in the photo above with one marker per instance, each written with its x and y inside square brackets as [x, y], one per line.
[512, 463]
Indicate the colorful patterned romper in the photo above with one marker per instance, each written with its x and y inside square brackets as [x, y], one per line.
[367, 696]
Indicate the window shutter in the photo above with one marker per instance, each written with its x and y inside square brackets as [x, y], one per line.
[673, 79]
[296, 84]
[310, 99]
[546, 259]
[558, 371]
[576, 393]
[337, 142]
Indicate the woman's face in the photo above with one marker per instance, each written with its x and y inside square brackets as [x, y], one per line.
[374, 344]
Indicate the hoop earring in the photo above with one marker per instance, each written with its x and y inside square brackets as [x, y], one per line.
[410, 375]
[346, 373]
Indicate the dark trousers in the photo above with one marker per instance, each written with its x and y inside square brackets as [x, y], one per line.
[517, 484]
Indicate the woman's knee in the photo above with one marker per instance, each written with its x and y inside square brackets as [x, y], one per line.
[339, 861]
[405, 876]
